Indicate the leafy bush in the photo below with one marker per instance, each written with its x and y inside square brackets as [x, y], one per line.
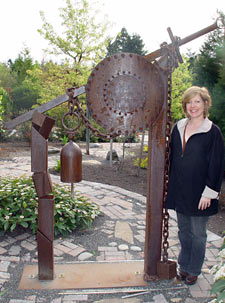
[218, 271]
[144, 161]
[19, 207]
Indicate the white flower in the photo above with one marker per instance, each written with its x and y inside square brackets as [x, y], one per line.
[220, 274]
[57, 206]
[222, 254]
[7, 217]
[21, 217]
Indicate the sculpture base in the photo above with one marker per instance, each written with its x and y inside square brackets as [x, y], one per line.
[87, 275]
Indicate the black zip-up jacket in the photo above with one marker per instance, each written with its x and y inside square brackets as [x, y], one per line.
[196, 172]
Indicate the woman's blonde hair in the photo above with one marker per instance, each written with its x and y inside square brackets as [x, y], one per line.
[192, 92]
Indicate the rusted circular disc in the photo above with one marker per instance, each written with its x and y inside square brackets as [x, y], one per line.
[125, 93]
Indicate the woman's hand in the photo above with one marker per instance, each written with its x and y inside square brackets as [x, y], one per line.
[204, 203]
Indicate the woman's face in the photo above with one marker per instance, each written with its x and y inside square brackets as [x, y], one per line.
[195, 107]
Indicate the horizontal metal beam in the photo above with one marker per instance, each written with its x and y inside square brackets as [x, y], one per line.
[41, 109]
[162, 51]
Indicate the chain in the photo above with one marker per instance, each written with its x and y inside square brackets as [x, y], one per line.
[165, 243]
[74, 102]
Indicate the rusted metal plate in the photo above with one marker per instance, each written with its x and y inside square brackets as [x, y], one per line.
[45, 257]
[42, 183]
[125, 93]
[43, 123]
[87, 275]
[167, 270]
[155, 186]
[39, 152]
[46, 217]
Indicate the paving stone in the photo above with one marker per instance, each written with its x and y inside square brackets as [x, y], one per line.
[28, 245]
[124, 232]
[57, 300]
[14, 250]
[84, 256]
[2, 251]
[135, 248]
[112, 244]
[123, 247]
[75, 298]
[4, 275]
[75, 252]
[4, 265]
[160, 299]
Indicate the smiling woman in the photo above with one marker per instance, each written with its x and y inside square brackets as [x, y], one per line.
[196, 174]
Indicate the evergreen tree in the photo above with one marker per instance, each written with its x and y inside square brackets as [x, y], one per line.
[209, 70]
[126, 43]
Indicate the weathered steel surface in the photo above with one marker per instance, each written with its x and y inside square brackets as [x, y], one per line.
[155, 186]
[45, 257]
[125, 93]
[166, 270]
[43, 123]
[89, 275]
[41, 128]
[39, 152]
[71, 163]
[41, 109]
[42, 183]
[46, 216]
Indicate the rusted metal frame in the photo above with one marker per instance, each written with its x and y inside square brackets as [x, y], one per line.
[43, 108]
[41, 128]
[160, 52]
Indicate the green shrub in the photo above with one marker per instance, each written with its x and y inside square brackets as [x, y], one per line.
[19, 207]
[144, 161]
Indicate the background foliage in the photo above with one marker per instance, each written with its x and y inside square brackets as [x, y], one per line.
[81, 44]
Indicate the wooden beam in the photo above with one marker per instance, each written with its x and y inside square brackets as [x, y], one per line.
[41, 109]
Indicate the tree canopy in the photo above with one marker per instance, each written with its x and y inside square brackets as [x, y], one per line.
[82, 40]
[209, 70]
[126, 43]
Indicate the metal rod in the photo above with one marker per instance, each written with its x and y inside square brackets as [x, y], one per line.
[110, 153]
[41, 109]
[72, 190]
[141, 152]
[162, 51]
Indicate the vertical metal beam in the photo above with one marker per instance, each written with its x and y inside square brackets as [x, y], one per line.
[155, 186]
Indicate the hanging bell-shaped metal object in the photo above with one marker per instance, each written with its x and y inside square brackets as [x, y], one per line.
[71, 163]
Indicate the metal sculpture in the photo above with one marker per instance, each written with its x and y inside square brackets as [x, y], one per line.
[126, 93]
[41, 128]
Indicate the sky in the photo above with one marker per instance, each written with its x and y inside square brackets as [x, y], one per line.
[150, 19]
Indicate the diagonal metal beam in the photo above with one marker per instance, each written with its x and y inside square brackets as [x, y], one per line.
[43, 108]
